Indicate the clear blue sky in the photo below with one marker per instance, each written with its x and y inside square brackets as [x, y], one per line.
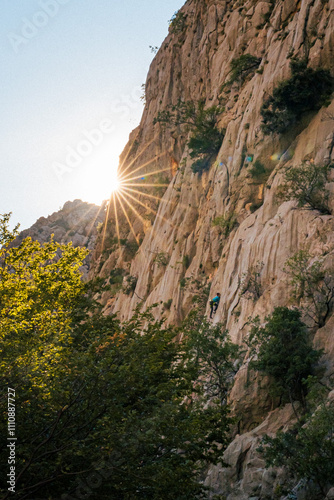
[71, 77]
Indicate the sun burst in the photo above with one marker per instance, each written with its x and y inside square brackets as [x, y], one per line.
[128, 190]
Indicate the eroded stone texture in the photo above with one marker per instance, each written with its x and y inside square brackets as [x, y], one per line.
[193, 65]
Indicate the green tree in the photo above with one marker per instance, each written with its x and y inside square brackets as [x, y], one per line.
[306, 90]
[105, 410]
[243, 66]
[129, 284]
[205, 138]
[307, 450]
[312, 286]
[306, 184]
[161, 259]
[215, 356]
[284, 353]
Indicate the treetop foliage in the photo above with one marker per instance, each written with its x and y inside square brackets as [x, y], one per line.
[102, 407]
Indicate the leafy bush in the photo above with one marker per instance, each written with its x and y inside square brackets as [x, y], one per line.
[129, 284]
[116, 275]
[258, 171]
[161, 259]
[178, 22]
[226, 222]
[201, 165]
[312, 286]
[205, 138]
[183, 282]
[284, 353]
[131, 248]
[186, 261]
[306, 90]
[306, 184]
[306, 451]
[167, 305]
[243, 66]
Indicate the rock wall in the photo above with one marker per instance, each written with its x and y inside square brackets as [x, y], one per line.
[194, 64]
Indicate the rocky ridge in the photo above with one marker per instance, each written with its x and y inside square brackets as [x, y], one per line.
[76, 222]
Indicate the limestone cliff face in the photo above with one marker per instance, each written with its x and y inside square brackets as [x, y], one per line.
[76, 222]
[191, 65]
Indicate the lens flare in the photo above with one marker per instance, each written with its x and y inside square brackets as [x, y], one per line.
[129, 187]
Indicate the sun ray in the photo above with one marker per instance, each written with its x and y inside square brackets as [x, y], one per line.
[116, 218]
[144, 175]
[86, 213]
[133, 208]
[124, 178]
[105, 224]
[152, 196]
[94, 220]
[135, 159]
[144, 184]
[126, 156]
[127, 218]
[151, 209]
[140, 203]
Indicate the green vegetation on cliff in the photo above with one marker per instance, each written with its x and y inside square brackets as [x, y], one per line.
[306, 90]
[284, 353]
[306, 184]
[205, 136]
[306, 451]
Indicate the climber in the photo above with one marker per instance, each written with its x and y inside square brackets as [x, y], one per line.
[214, 303]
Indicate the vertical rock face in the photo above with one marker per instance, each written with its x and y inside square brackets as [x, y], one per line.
[76, 222]
[179, 247]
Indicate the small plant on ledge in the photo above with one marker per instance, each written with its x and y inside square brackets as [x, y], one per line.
[178, 23]
[129, 285]
[258, 172]
[242, 67]
[161, 259]
[226, 223]
[167, 305]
